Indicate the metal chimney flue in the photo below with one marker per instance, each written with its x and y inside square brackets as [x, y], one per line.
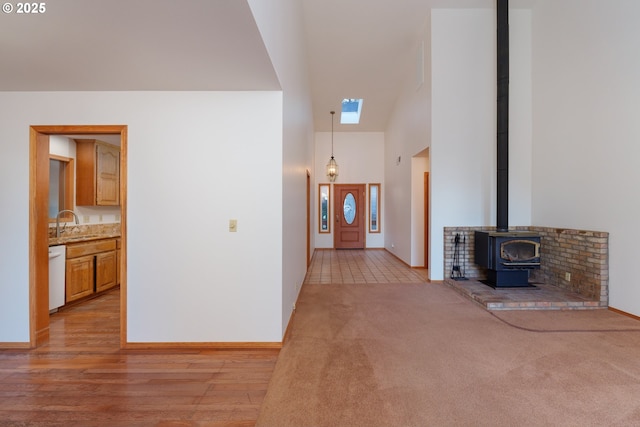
[507, 255]
[502, 219]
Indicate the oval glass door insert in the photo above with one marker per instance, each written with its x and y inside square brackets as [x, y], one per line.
[349, 208]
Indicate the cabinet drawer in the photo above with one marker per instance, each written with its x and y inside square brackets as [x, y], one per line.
[90, 248]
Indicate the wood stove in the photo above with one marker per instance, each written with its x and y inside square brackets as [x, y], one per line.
[508, 256]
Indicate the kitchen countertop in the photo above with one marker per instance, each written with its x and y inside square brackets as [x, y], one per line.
[74, 238]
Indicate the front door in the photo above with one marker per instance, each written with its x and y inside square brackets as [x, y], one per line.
[349, 212]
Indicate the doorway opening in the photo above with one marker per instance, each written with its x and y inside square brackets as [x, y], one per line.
[426, 220]
[308, 219]
[420, 208]
[39, 223]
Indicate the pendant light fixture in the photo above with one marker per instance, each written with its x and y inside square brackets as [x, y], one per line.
[332, 166]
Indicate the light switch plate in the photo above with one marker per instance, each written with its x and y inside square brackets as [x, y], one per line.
[233, 225]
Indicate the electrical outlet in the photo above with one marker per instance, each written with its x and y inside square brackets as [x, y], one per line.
[294, 306]
[567, 276]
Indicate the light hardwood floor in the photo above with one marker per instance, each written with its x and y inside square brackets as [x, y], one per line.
[82, 378]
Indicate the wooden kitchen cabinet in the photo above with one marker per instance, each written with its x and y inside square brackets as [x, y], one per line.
[79, 280]
[118, 260]
[105, 271]
[91, 268]
[97, 173]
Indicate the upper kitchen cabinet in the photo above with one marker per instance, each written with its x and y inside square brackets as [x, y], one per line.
[97, 173]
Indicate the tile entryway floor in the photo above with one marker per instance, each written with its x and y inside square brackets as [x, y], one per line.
[380, 266]
[360, 266]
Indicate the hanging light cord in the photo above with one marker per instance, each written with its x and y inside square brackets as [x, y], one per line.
[332, 113]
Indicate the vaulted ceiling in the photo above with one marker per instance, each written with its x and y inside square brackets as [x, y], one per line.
[113, 45]
[365, 49]
[356, 49]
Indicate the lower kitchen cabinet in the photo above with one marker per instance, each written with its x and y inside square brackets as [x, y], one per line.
[105, 271]
[118, 273]
[91, 268]
[79, 281]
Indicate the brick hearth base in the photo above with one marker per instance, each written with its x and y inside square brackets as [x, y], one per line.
[542, 297]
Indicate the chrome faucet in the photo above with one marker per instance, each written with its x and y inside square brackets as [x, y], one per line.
[58, 232]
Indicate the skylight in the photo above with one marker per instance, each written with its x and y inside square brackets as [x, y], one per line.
[351, 109]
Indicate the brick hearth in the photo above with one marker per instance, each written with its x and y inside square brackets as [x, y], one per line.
[573, 274]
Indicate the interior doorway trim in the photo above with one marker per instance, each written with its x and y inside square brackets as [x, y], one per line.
[308, 219]
[427, 198]
[39, 224]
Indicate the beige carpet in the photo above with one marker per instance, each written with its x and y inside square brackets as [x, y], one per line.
[422, 355]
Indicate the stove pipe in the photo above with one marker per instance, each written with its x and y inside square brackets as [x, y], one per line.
[502, 220]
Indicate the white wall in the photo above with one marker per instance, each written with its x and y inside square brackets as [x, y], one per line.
[587, 132]
[463, 123]
[62, 146]
[408, 134]
[463, 146]
[520, 118]
[360, 160]
[14, 228]
[193, 165]
[280, 25]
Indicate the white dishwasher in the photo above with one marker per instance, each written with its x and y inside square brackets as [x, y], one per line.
[57, 266]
